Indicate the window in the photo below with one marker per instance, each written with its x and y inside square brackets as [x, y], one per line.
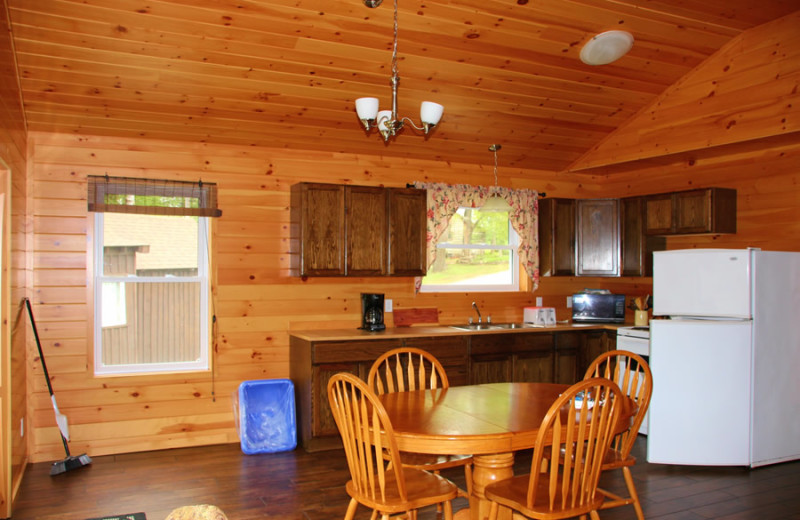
[151, 276]
[477, 252]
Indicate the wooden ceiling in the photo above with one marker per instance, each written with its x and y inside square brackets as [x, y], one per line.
[285, 73]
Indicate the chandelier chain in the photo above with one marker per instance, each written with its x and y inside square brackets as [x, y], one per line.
[394, 46]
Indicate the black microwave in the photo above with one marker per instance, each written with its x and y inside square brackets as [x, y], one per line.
[598, 308]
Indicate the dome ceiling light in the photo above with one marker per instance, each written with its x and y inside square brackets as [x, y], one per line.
[606, 47]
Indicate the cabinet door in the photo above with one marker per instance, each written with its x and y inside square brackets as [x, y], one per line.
[322, 228]
[598, 237]
[636, 247]
[594, 343]
[407, 232]
[365, 229]
[567, 345]
[490, 358]
[658, 214]
[533, 358]
[557, 237]
[490, 368]
[692, 211]
[322, 420]
[533, 367]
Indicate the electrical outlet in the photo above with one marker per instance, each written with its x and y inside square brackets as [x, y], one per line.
[538, 301]
[21, 427]
[387, 306]
[569, 302]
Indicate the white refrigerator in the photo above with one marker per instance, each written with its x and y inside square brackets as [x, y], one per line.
[726, 358]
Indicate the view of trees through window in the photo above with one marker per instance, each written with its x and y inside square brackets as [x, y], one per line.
[477, 249]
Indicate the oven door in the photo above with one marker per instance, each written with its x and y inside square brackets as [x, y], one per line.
[641, 346]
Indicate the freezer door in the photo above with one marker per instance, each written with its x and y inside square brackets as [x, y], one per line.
[702, 282]
[700, 409]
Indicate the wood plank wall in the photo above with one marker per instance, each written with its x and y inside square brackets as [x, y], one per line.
[256, 302]
[13, 389]
[746, 91]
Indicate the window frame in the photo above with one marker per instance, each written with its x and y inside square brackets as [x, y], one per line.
[513, 247]
[203, 363]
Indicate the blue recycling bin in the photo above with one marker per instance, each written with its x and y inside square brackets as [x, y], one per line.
[266, 416]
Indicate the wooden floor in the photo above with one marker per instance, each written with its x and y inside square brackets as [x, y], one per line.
[301, 486]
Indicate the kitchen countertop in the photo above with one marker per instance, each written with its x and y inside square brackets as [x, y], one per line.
[438, 330]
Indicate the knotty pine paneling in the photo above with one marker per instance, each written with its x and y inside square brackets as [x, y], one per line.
[15, 274]
[747, 91]
[257, 304]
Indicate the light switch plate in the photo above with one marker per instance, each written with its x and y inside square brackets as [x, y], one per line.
[387, 307]
[538, 301]
[569, 302]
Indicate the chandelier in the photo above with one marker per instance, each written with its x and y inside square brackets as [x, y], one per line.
[387, 121]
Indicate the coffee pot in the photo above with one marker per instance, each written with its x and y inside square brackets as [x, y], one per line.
[372, 311]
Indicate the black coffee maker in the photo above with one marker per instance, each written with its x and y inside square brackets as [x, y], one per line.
[372, 312]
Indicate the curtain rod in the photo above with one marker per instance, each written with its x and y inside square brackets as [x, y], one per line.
[411, 185]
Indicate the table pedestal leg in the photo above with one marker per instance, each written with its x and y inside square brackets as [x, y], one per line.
[487, 469]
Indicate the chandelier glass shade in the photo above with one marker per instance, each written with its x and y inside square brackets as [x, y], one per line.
[388, 121]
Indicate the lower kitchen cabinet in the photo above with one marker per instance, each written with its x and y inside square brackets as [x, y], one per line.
[490, 368]
[595, 343]
[322, 421]
[313, 363]
[565, 365]
[534, 356]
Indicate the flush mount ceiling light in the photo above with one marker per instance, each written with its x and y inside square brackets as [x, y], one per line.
[495, 202]
[387, 121]
[606, 47]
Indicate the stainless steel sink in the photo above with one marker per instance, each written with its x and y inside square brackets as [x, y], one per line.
[512, 325]
[490, 326]
[475, 326]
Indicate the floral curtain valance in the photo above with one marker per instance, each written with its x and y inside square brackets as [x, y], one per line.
[445, 199]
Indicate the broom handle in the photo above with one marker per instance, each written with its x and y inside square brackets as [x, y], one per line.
[44, 365]
[39, 346]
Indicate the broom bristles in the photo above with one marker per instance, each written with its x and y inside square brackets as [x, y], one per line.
[70, 463]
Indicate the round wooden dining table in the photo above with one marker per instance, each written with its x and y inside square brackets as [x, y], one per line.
[489, 421]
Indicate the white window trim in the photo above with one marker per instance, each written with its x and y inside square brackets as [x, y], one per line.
[513, 246]
[202, 363]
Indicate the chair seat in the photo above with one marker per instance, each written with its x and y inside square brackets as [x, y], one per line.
[422, 489]
[513, 492]
[615, 459]
[433, 462]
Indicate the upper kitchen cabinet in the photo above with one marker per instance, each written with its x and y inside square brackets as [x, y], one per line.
[343, 230]
[598, 242]
[709, 210]
[557, 237]
[407, 232]
[636, 247]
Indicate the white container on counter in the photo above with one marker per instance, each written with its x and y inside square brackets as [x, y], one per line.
[542, 316]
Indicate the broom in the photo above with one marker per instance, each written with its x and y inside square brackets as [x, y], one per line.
[70, 462]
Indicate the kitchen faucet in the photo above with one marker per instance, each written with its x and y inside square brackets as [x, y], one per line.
[475, 306]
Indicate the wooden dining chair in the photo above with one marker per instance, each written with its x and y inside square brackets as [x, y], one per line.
[378, 479]
[632, 374]
[580, 424]
[408, 369]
